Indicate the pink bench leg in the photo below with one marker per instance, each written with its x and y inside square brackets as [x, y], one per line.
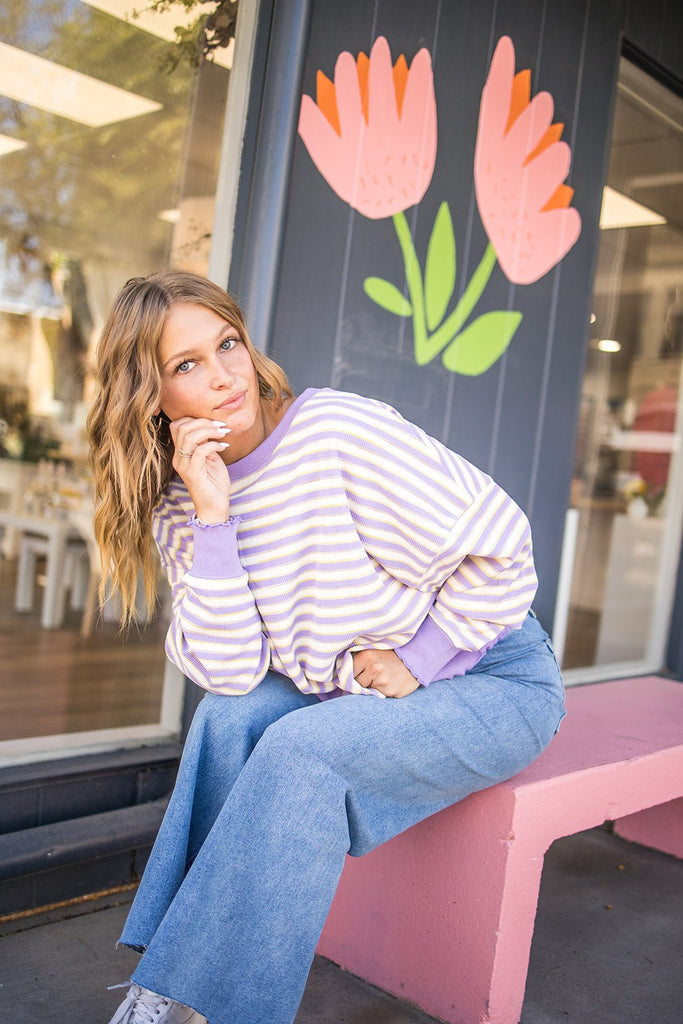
[458, 946]
[658, 827]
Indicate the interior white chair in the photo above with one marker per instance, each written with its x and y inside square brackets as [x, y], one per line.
[82, 518]
[31, 547]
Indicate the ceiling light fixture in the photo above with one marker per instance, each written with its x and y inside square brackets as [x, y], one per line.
[40, 83]
[10, 145]
[620, 211]
[609, 345]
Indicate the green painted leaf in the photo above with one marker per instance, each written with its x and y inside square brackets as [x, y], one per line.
[476, 349]
[387, 295]
[440, 268]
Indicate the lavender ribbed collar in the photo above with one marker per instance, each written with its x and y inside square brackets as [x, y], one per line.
[260, 455]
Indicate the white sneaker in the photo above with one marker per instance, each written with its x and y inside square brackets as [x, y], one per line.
[144, 1007]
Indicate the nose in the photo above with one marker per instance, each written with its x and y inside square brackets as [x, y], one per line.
[221, 376]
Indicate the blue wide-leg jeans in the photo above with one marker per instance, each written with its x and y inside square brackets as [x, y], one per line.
[276, 787]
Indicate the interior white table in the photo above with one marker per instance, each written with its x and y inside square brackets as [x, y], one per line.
[57, 532]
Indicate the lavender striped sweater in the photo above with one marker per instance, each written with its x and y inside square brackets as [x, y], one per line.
[350, 528]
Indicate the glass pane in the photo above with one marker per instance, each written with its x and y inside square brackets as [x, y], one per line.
[628, 445]
[109, 154]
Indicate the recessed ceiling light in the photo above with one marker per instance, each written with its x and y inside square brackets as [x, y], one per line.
[170, 216]
[159, 23]
[620, 211]
[9, 145]
[609, 345]
[59, 90]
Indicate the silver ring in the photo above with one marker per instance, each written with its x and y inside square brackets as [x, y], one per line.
[187, 455]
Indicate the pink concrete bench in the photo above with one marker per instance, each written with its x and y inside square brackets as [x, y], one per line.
[443, 915]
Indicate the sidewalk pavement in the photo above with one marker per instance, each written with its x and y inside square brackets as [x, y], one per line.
[608, 948]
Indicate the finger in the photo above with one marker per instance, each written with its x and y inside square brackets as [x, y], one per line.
[386, 691]
[204, 449]
[189, 460]
[363, 677]
[359, 659]
[189, 434]
[191, 422]
[385, 687]
[188, 446]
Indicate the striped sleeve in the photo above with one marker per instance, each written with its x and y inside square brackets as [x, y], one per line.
[215, 637]
[494, 581]
[435, 521]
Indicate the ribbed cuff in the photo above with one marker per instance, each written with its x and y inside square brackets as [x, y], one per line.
[427, 653]
[430, 655]
[215, 551]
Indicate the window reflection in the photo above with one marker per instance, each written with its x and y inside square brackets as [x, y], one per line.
[628, 451]
[108, 171]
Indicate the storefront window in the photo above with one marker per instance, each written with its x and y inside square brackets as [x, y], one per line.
[109, 152]
[627, 489]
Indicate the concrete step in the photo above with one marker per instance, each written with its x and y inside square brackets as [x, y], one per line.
[57, 862]
[77, 826]
[48, 791]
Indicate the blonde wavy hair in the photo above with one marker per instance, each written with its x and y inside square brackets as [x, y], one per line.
[130, 445]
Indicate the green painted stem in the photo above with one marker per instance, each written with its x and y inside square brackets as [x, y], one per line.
[426, 347]
[431, 346]
[414, 281]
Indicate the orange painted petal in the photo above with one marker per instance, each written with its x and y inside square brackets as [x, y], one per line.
[400, 81]
[521, 93]
[326, 99]
[560, 199]
[363, 75]
[553, 134]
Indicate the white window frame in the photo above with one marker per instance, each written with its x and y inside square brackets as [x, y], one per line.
[61, 745]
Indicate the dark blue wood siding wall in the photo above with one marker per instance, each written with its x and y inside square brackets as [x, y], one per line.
[518, 419]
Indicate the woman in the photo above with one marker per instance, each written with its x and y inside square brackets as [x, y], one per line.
[323, 554]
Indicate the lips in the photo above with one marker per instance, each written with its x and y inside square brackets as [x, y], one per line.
[232, 403]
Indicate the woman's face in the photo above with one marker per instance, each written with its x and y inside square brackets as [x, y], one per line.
[207, 372]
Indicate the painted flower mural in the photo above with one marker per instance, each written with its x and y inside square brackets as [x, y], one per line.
[520, 166]
[372, 134]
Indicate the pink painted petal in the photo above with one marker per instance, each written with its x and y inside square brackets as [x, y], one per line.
[418, 115]
[382, 109]
[547, 171]
[316, 131]
[325, 147]
[419, 140]
[555, 233]
[349, 105]
[483, 165]
[496, 96]
[419, 94]
[530, 127]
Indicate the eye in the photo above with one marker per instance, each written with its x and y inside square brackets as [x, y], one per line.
[229, 343]
[183, 367]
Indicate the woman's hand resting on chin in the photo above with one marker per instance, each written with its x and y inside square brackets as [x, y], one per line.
[197, 461]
